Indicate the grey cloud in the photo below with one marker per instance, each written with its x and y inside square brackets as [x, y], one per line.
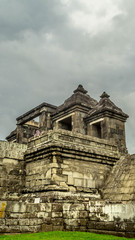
[17, 16]
[43, 57]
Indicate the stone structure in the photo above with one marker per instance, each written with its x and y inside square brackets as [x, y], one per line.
[68, 171]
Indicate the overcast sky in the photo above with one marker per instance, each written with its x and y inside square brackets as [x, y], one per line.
[48, 47]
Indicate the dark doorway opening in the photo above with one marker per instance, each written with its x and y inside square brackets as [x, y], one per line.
[66, 124]
[96, 130]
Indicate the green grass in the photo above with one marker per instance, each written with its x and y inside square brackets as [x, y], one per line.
[61, 236]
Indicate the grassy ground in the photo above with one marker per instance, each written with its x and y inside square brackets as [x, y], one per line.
[61, 236]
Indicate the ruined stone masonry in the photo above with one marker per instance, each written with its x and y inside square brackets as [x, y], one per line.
[67, 168]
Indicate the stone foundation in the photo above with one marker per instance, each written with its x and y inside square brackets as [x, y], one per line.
[52, 211]
[66, 181]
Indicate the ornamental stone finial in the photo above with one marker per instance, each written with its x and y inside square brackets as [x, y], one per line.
[104, 95]
[80, 88]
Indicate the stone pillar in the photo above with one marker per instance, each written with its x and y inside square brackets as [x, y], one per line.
[78, 123]
[44, 120]
[19, 134]
[49, 125]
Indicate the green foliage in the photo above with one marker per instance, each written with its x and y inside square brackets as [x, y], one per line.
[61, 236]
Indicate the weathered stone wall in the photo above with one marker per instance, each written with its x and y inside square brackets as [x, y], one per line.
[93, 145]
[84, 175]
[68, 182]
[112, 217]
[61, 160]
[120, 185]
[38, 175]
[49, 211]
[78, 123]
[12, 150]
[114, 129]
[24, 132]
[11, 167]
[111, 129]
[66, 174]
[46, 212]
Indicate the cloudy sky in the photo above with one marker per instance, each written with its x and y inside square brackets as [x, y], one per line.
[48, 47]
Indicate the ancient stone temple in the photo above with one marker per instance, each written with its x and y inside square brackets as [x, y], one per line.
[68, 168]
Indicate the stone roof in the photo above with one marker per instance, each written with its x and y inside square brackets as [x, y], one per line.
[106, 105]
[80, 97]
[39, 107]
